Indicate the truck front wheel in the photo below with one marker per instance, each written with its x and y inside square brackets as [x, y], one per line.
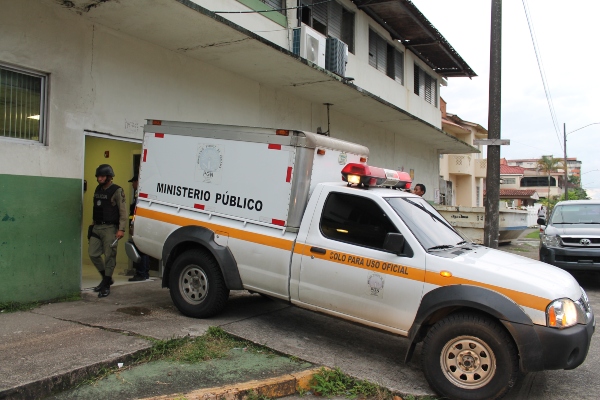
[470, 357]
[197, 286]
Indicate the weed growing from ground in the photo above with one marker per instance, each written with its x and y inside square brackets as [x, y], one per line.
[12, 306]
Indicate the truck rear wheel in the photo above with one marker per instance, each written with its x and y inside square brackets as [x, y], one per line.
[469, 357]
[196, 284]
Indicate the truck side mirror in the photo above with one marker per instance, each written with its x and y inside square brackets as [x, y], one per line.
[394, 243]
[541, 221]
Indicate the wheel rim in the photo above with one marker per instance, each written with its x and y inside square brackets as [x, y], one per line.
[193, 284]
[468, 362]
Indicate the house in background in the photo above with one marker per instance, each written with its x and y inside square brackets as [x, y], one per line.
[462, 176]
[534, 179]
[511, 186]
[78, 79]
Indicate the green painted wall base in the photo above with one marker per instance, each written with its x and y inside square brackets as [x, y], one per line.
[40, 238]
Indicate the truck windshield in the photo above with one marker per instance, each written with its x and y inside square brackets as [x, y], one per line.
[428, 226]
[576, 214]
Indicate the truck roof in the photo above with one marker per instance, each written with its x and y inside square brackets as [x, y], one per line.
[377, 191]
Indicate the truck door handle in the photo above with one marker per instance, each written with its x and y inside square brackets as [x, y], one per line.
[318, 250]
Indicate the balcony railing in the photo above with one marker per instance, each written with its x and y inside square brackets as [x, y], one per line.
[480, 167]
[460, 164]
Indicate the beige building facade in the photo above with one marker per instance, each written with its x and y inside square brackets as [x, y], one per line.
[462, 176]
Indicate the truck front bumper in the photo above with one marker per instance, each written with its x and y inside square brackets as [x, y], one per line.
[565, 348]
[571, 258]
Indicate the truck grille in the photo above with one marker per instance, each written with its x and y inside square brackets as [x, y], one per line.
[569, 241]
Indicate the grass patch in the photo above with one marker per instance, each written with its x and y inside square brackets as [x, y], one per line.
[329, 383]
[13, 306]
[214, 344]
[533, 235]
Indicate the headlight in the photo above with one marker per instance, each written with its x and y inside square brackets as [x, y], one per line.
[550, 240]
[563, 313]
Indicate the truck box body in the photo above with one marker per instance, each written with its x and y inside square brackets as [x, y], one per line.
[248, 185]
[248, 173]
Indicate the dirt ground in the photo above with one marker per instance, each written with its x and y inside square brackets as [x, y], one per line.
[523, 246]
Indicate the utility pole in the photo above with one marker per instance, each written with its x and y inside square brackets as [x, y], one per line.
[566, 169]
[492, 199]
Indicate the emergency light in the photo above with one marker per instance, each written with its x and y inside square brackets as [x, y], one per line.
[366, 175]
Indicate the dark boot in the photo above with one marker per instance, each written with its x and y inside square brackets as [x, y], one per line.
[97, 288]
[105, 286]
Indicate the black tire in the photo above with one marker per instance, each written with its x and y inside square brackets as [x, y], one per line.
[469, 356]
[196, 284]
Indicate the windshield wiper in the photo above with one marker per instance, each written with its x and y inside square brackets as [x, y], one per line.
[433, 216]
[443, 246]
[463, 242]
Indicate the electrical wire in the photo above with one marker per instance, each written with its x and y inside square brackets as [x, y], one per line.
[538, 57]
[273, 10]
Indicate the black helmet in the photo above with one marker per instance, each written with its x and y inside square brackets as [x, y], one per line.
[105, 170]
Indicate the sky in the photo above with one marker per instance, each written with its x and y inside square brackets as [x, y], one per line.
[567, 38]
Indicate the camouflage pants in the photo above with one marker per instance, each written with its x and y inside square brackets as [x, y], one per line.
[98, 247]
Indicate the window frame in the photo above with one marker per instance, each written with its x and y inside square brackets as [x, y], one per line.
[44, 91]
[354, 243]
[306, 16]
[390, 55]
[421, 77]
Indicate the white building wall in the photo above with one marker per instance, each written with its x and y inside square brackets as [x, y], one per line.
[104, 81]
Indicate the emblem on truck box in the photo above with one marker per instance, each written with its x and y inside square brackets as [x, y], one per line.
[342, 158]
[208, 163]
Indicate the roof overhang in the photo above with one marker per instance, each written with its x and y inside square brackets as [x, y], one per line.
[184, 27]
[404, 22]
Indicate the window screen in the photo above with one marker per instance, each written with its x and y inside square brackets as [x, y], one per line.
[356, 220]
[22, 101]
[425, 86]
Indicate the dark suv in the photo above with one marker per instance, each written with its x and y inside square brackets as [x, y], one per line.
[571, 238]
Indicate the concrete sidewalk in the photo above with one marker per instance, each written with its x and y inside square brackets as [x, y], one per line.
[51, 347]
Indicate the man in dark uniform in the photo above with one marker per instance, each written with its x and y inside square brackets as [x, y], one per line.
[110, 219]
[142, 269]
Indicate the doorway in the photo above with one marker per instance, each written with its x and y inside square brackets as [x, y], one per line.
[123, 155]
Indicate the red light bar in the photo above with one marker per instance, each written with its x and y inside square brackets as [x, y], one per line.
[365, 175]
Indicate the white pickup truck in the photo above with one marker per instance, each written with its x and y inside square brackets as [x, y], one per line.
[303, 218]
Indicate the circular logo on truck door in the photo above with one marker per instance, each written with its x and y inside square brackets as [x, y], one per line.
[208, 163]
[585, 242]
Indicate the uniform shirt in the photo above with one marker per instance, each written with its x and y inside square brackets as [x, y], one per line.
[119, 199]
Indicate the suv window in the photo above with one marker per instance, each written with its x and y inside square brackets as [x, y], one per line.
[356, 220]
[576, 214]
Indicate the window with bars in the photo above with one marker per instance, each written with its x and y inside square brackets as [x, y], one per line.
[385, 57]
[329, 18]
[425, 86]
[22, 104]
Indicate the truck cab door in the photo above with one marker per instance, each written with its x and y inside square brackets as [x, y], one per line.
[345, 269]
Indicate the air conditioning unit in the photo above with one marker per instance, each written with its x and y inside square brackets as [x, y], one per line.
[336, 56]
[309, 44]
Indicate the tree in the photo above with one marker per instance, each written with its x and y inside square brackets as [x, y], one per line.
[576, 194]
[575, 180]
[549, 164]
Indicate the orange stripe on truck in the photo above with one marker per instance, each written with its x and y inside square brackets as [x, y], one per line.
[417, 274]
[402, 271]
[266, 240]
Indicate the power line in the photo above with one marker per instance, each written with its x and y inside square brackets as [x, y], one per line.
[538, 57]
